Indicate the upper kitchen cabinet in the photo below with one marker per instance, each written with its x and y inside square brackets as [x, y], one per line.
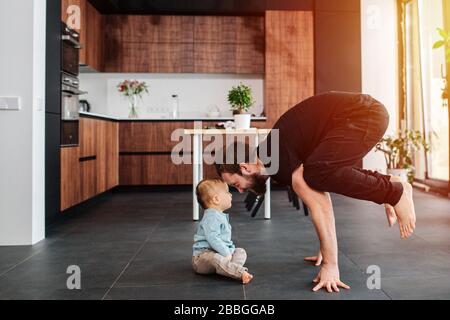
[229, 44]
[158, 29]
[81, 16]
[184, 44]
[289, 74]
[162, 44]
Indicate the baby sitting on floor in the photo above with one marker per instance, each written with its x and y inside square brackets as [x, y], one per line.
[213, 250]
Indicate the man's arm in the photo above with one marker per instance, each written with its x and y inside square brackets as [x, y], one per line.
[322, 216]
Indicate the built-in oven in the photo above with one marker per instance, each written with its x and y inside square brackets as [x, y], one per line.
[70, 106]
[70, 50]
[70, 92]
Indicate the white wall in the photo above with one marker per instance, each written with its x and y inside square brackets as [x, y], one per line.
[22, 134]
[380, 63]
[196, 92]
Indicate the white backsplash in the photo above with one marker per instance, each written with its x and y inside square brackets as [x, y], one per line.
[196, 92]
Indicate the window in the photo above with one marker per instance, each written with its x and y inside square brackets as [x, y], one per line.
[424, 81]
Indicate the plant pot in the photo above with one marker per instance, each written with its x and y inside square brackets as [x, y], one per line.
[401, 173]
[242, 121]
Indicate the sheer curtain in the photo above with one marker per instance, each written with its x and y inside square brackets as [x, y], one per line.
[423, 81]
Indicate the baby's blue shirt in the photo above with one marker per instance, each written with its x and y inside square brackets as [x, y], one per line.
[214, 233]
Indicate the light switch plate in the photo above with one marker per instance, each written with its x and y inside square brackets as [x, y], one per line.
[10, 103]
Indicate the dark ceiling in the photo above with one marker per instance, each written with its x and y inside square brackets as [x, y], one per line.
[214, 7]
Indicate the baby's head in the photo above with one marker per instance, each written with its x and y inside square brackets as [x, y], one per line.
[213, 193]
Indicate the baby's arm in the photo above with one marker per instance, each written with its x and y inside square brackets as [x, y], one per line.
[212, 233]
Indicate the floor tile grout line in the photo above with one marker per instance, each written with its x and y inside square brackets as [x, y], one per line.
[131, 260]
[357, 265]
[19, 263]
[38, 252]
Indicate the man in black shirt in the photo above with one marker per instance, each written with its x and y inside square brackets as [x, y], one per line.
[320, 142]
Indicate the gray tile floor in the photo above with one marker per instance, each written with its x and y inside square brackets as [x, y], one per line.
[138, 246]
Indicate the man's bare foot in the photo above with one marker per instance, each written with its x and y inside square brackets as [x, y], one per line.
[390, 211]
[246, 277]
[405, 212]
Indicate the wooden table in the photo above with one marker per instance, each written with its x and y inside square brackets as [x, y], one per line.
[197, 165]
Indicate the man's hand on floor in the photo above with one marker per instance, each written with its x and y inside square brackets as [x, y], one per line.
[328, 278]
[317, 260]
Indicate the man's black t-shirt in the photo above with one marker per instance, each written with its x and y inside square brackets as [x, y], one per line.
[302, 128]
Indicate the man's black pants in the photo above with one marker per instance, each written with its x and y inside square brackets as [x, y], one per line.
[331, 166]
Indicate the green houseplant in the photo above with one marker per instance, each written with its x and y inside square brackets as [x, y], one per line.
[444, 42]
[399, 151]
[241, 99]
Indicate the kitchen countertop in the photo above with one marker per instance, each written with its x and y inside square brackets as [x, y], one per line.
[181, 118]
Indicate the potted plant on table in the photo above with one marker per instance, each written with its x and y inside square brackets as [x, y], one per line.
[132, 89]
[241, 99]
[399, 151]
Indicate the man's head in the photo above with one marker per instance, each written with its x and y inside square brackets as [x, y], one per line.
[244, 170]
[213, 193]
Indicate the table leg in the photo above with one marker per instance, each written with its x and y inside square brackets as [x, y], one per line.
[195, 176]
[267, 213]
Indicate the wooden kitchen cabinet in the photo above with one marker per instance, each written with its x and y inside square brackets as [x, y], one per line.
[158, 28]
[152, 136]
[87, 140]
[230, 44]
[70, 177]
[229, 29]
[289, 58]
[93, 167]
[88, 179]
[100, 150]
[107, 151]
[184, 44]
[90, 28]
[152, 43]
[94, 39]
[112, 154]
[156, 57]
[157, 169]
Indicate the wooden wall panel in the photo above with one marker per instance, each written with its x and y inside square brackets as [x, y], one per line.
[289, 61]
[70, 187]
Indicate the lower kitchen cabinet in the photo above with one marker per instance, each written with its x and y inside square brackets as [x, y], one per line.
[152, 169]
[112, 154]
[70, 177]
[88, 179]
[93, 167]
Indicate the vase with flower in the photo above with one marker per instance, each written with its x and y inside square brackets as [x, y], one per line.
[132, 89]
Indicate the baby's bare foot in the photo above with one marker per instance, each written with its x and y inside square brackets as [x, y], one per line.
[246, 277]
[405, 212]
